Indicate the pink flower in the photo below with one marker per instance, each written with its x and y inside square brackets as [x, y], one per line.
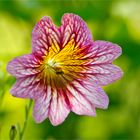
[65, 70]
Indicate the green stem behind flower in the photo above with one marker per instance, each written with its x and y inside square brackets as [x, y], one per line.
[27, 110]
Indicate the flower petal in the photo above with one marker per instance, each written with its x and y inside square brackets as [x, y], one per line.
[73, 27]
[104, 52]
[44, 35]
[24, 66]
[78, 103]
[42, 104]
[28, 87]
[104, 74]
[59, 108]
[92, 92]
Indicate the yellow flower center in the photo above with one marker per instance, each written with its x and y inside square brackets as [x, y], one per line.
[60, 67]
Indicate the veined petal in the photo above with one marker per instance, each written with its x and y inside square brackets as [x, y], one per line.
[78, 103]
[59, 108]
[45, 35]
[104, 74]
[103, 52]
[28, 87]
[24, 66]
[42, 104]
[92, 92]
[74, 28]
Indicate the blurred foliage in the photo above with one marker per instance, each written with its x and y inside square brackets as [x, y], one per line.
[113, 20]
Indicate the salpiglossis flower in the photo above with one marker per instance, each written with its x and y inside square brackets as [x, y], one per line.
[65, 70]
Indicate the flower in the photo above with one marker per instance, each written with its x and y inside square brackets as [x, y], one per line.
[65, 70]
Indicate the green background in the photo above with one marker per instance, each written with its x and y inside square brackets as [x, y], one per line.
[112, 20]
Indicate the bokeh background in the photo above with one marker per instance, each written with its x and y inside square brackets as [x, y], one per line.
[117, 21]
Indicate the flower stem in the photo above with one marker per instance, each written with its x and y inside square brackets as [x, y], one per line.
[27, 110]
